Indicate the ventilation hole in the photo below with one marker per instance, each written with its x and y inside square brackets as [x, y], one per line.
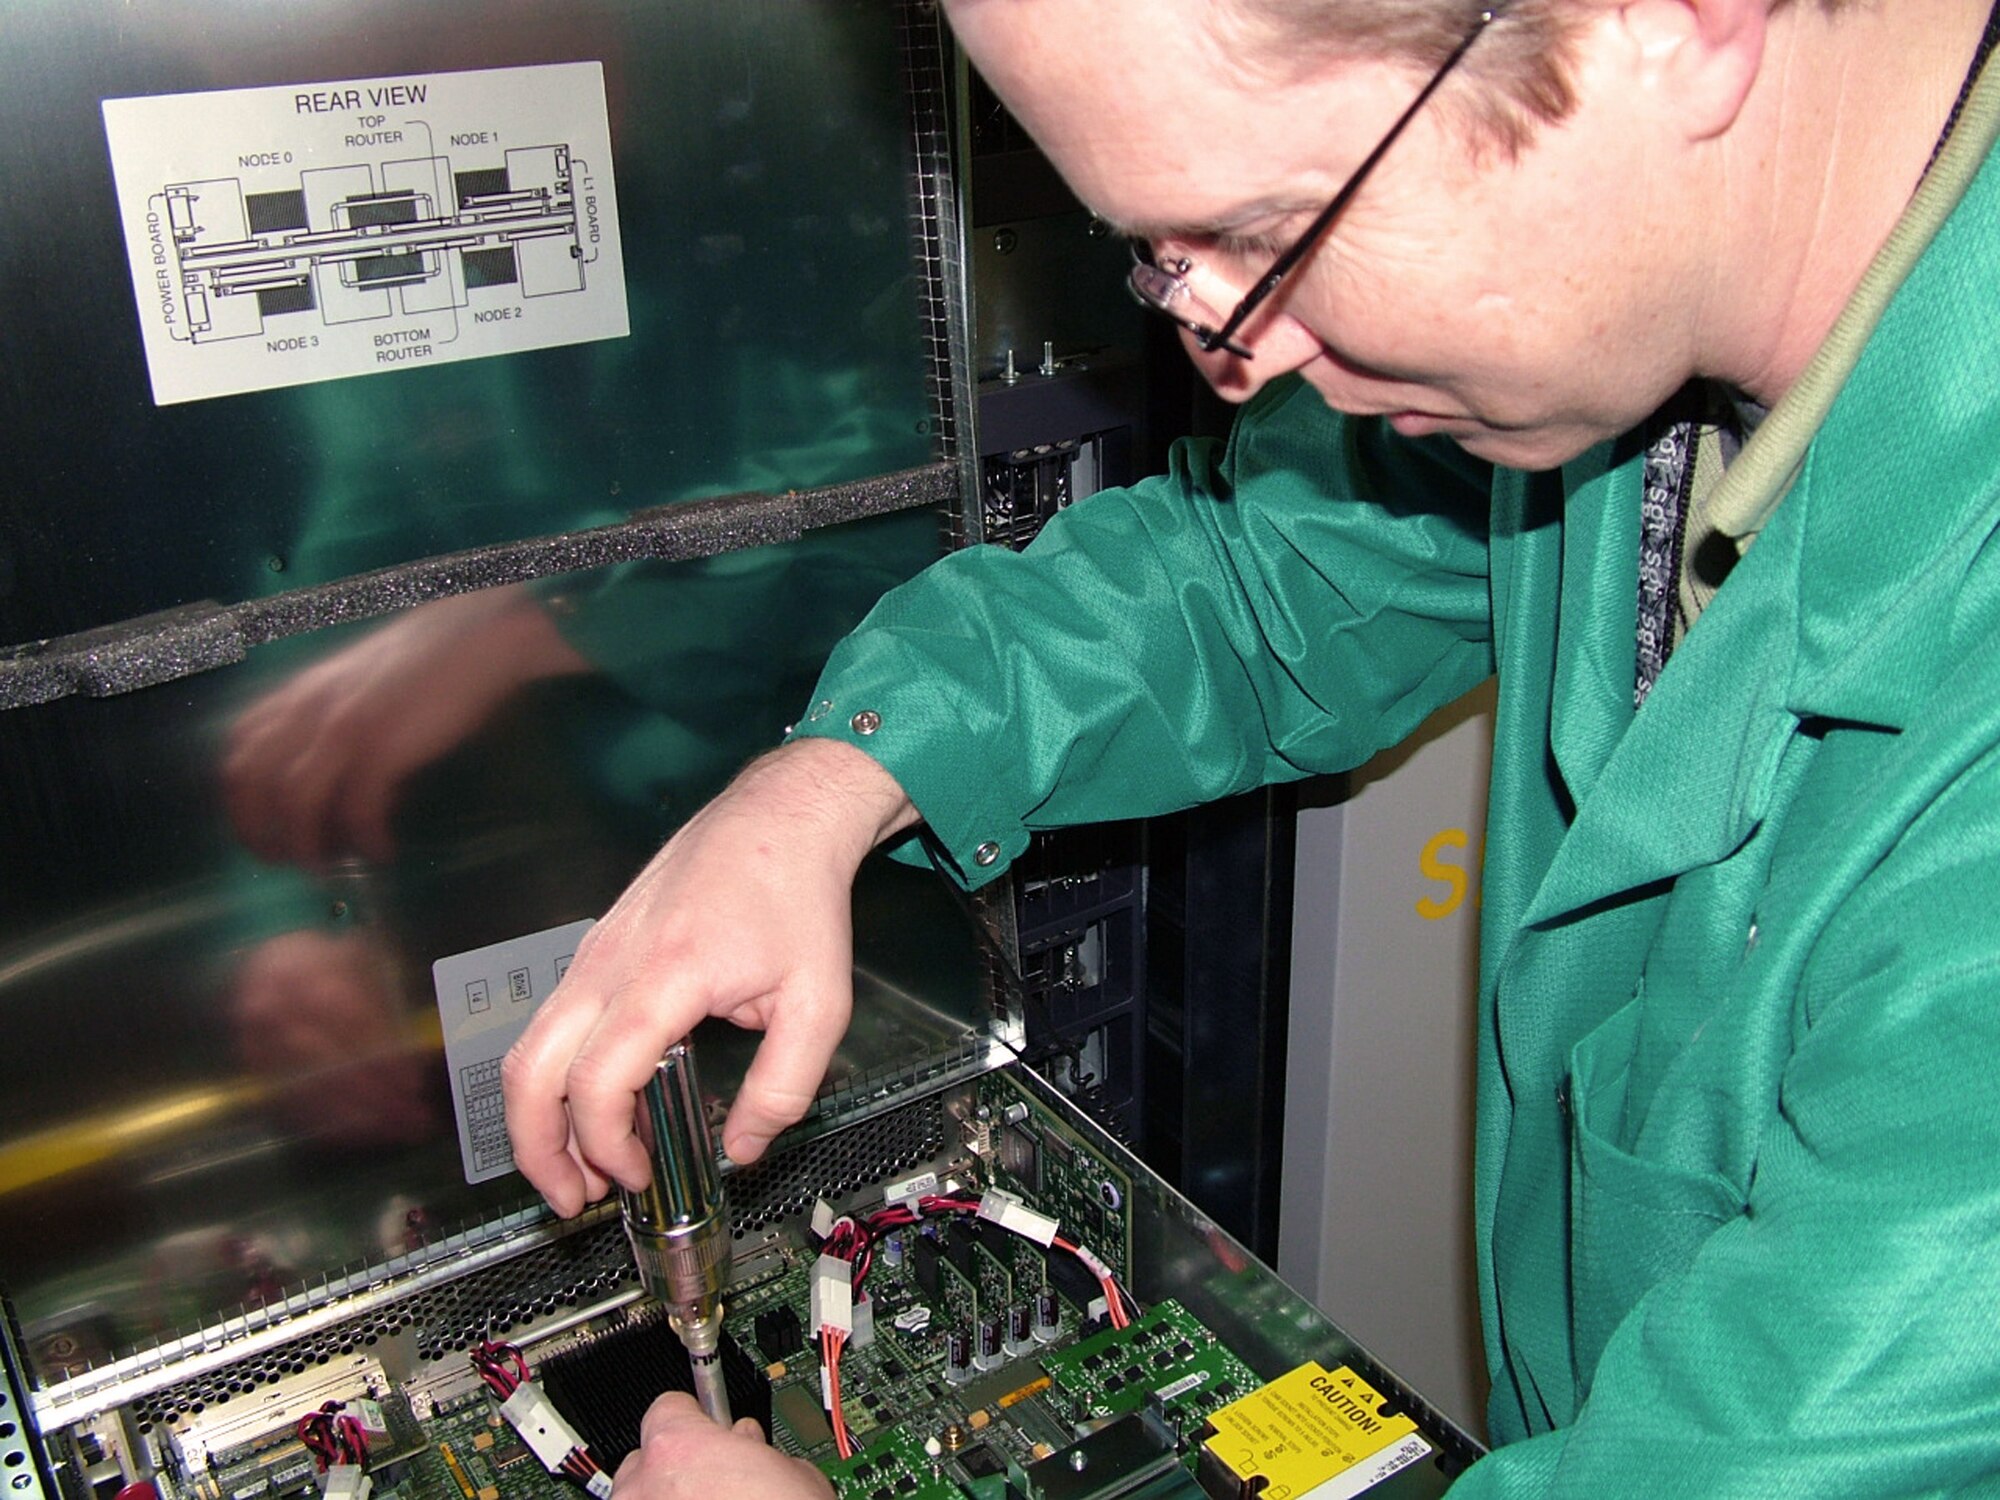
[583, 1266]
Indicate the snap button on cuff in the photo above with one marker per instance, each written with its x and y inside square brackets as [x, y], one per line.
[865, 722]
[986, 853]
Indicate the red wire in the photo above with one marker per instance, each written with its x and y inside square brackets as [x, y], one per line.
[830, 1341]
[493, 1362]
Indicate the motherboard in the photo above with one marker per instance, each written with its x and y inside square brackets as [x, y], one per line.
[955, 1317]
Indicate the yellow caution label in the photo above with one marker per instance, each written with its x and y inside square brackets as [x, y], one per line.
[1314, 1433]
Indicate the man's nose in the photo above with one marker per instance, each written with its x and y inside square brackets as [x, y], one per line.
[1277, 342]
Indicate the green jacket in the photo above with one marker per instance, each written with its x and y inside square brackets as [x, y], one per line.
[1738, 1164]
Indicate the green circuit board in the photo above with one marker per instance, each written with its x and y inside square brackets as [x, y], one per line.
[982, 1359]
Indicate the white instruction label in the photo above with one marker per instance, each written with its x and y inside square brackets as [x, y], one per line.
[485, 998]
[309, 231]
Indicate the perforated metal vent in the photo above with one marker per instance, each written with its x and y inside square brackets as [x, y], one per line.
[578, 1269]
[872, 1151]
[444, 1320]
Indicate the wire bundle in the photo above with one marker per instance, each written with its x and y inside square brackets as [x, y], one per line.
[831, 1341]
[333, 1436]
[504, 1369]
[582, 1466]
[853, 1240]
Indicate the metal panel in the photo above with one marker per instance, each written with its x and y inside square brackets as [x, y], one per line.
[760, 153]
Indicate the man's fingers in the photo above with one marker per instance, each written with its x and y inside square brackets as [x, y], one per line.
[533, 1082]
[786, 1073]
[613, 1063]
[668, 1411]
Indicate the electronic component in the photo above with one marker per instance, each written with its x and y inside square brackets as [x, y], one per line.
[1020, 1330]
[832, 1295]
[924, 1263]
[981, 1463]
[957, 1356]
[779, 1332]
[551, 1439]
[605, 1382]
[988, 1351]
[1021, 1157]
[1048, 1317]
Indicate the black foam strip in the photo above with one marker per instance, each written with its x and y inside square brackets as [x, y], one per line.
[176, 643]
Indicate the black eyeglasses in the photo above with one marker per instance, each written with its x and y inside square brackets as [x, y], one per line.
[1164, 288]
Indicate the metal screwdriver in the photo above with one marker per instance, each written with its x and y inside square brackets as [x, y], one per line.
[678, 1227]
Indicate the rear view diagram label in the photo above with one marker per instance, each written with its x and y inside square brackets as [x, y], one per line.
[306, 232]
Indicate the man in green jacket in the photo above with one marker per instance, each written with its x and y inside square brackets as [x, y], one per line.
[1654, 366]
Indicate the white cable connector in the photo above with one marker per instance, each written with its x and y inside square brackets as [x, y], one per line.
[599, 1484]
[1010, 1213]
[832, 1295]
[863, 1315]
[541, 1426]
[345, 1482]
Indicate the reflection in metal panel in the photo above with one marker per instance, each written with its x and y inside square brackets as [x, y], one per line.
[226, 1072]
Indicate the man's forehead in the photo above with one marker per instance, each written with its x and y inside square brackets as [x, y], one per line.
[1131, 101]
[1260, 212]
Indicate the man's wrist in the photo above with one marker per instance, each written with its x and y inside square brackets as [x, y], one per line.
[831, 784]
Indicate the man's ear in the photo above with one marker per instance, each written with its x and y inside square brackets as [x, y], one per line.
[1697, 58]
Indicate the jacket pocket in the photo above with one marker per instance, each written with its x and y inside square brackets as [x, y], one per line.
[1634, 1221]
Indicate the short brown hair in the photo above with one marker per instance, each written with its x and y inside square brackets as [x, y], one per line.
[1518, 76]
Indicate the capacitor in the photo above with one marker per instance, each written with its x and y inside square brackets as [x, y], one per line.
[1020, 1338]
[957, 1356]
[989, 1355]
[1048, 1317]
[892, 1251]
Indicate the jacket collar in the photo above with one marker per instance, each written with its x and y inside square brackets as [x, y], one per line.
[1842, 608]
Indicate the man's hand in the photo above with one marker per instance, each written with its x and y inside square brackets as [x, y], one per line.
[314, 769]
[745, 914]
[682, 1453]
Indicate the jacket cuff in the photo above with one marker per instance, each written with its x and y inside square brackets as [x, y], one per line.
[907, 720]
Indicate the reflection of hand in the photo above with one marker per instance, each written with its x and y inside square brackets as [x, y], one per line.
[315, 1017]
[745, 914]
[682, 1453]
[314, 768]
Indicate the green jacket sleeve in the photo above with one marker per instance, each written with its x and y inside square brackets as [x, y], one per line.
[1284, 608]
[1836, 1338]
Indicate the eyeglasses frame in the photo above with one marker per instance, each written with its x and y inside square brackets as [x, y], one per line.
[1212, 339]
